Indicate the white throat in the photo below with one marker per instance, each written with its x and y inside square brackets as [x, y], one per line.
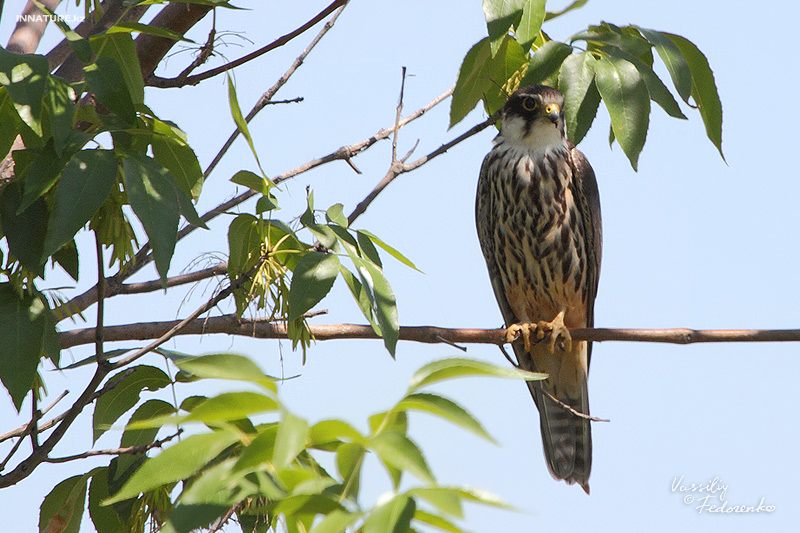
[543, 135]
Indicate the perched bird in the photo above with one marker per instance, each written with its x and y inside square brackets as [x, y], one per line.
[538, 218]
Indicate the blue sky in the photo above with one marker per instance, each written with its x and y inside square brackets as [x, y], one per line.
[689, 241]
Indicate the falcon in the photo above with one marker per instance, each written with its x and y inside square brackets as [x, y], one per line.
[538, 219]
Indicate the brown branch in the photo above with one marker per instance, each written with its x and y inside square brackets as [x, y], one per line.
[30, 28]
[156, 81]
[230, 325]
[20, 431]
[128, 450]
[266, 98]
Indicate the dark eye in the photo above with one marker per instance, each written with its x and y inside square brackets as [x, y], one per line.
[529, 104]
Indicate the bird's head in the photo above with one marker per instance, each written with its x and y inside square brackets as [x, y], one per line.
[533, 117]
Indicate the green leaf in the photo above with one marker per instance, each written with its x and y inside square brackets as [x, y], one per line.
[361, 297]
[482, 496]
[252, 181]
[446, 500]
[576, 4]
[436, 521]
[42, 174]
[393, 516]
[59, 101]
[368, 250]
[62, 508]
[704, 89]
[260, 449]
[290, 441]
[444, 408]
[24, 232]
[24, 321]
[104, 518]
[312, 280]
[127, 27]
[67, 258]
[153, 197]
[106, 80]
[446, 369]
[335, 215]
[181, 161]
[85, 184]
[349, 461]
[581, 98]
[673, 59]
[227, 366]
[628, 103]
[327, 431]
[336, 522]
[25, 78]
[384, 303]
[473, 81]
[8, 121]
[240, 121]
[175, 463]
[500, 15]
[79, 45]
[121, 48]
[126, 464]
[117, 401]
[530, 24]
[655, 87]
[397, 450]
[231, 406]
[391, 251]
[244, 243]
[546, 61]
[505, 72]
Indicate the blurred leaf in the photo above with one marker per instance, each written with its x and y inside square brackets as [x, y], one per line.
[231, 406]
[227, 366]
[704, 89]
[393, 516]
[175, 463]
[117, 401]
[336, 522]
[290, 441]
[574, 5]
[25, 78]
[673, 59]
[349, 461]
[628, 102]
[24, 232]
[446, 369]
[332, 430]
[444, 408]
[85, 184]
[121, 48]
[527, 30]
[251, 180]
[399, 451]
[445, 499]
[23, 318]
[106, 80]
[154, 198]
[545, 61]
[436, 521]
[62, 509]
[484, 497]
[312, 279]
[581, 98]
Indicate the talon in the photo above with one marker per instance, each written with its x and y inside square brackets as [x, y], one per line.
[514, 331]
[557, 330]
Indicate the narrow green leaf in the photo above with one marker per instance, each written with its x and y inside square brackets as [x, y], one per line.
[127, 27]
[251, 180]
[85, 184]
[576, 4]
[581, 98]
[399, 451]
[391, 251]
[153, 197]
[291, 439]
[24, 232]
[445, 499]
[673, 59]
[231, 406]
[117, 401]
[436, 521]
[393, 516]
[483, 497]
[545, 61]
[21, 337]
[106, 80]
[240, 121]
[628, 102]
[336, 522]
[62, 509]
[527, 30]
[59, 100]
[175, 463]
[121, 48]
[446, 369]
[367, 248]
[227, 366]
[181, 161]
[385, 303]
[444, 408]
[704, 89]
[361, 297]
[312, 280]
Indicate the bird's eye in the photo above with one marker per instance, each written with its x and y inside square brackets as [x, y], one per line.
[530, 104]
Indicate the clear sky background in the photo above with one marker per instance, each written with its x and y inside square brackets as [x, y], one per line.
[689, 241]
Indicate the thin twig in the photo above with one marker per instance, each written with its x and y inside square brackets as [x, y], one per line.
[128, 450]
[156, 81]
[571, 409]
[101, 297]
[398, 115]
[270, 93]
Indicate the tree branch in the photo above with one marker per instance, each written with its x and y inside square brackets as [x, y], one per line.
[128, 450]
[262, 329]
[155, 81]
[30, 28]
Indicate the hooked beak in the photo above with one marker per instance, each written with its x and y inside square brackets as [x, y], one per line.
[552, 112]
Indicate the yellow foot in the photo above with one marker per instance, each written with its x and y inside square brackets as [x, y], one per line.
[514, 331]
[556, 329]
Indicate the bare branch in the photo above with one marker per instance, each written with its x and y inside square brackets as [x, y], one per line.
[266, 98]
[30, 28]
[155, 81]
[128, 450]
[231, 325]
